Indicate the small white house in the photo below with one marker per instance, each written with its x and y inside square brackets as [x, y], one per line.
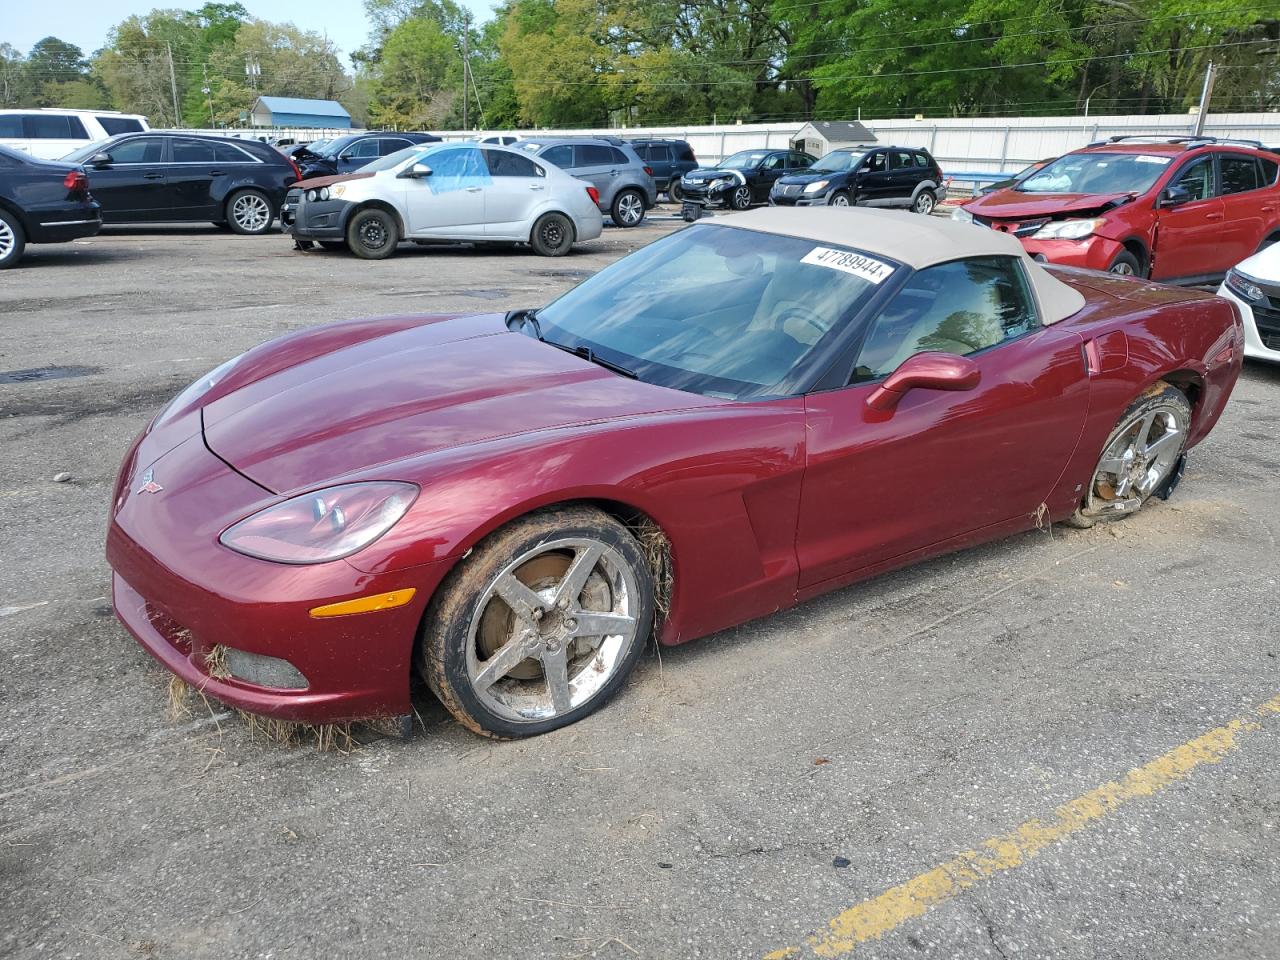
[823, 136]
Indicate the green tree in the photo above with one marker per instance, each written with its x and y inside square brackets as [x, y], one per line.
[419, 77]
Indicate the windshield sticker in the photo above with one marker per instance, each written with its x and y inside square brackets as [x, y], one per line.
[854, 263]
[1143, 158]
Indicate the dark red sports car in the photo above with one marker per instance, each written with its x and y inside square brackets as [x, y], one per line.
[738, 417]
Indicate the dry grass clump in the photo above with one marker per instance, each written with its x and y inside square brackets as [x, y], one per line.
[657, 551]
[288, 733]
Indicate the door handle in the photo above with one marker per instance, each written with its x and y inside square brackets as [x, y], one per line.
[216, 173]
[474, 189]
[1213, 216]
[153, 176]
[536, 186]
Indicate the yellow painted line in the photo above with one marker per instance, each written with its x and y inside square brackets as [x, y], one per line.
[378, 601]
[872, 919]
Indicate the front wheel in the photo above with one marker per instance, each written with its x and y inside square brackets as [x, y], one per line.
[249, 212]
[924, 203]
[373, 234]
[628, 208]
[675, 192]
[1139, 457]
[839, 199]
[540, 625]
[12, 240]
[552, 235]
[1125, 265]
[740, 199]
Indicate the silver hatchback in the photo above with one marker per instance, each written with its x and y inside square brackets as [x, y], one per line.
[626, 185]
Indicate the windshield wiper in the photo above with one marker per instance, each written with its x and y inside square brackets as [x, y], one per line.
[526, 318]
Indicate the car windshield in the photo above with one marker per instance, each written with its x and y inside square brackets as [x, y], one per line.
[394, 159]
[744, 160]
[837, 161]
[717, 310]
[81, 154]
[331, 148]
[1098, 173]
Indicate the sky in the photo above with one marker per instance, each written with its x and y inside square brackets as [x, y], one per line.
[86, 22]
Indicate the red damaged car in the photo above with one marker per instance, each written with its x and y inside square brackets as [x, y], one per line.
[740, 416]
[1183, 209]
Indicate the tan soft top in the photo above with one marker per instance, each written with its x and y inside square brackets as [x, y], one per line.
[909, 238]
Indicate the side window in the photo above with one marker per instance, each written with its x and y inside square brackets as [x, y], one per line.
[1269, 170]
[41, 126]
[644, 151]
[114, 125]
[141, 150]
[877, 162]
[618, 157]
[921, 160]
[594, 155]
[192, 151]
[362, 150]
[1239, 173]
[228, 153]
[774, 162]
[901, 158]
[11, 126]
[800, 161]
[660, 153]
[503, 164]
[959, 307]
[1197, 178]
[389, 145]
[561, 156]
[456, 169]
[685, 153]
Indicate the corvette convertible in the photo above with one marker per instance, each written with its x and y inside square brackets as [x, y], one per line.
[733, 419]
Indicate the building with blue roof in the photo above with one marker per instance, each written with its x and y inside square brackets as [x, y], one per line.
[297, 112]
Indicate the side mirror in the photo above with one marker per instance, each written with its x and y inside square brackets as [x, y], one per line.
[1174, 196]
[417, 172]
[100, 160]
[925, 371]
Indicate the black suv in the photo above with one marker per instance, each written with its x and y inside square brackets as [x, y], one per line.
[42, 201]
[742, 179]
[669, 160]
[345, 154]
[181, 177]
[906, 177]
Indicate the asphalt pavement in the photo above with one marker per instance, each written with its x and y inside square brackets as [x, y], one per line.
[1063, 745]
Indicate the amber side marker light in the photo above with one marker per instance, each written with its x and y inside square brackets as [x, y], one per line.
[379, 601]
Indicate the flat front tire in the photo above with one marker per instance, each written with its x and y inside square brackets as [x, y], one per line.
[373, 234]
[13, 240]
[540, 625]
[1139, 456]
[552, 235]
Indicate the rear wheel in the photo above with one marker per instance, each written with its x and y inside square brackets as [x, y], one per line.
[13, 240]
[249, 212]
[1125, 265]
[628, 208]
[924, 202]
[1139, 457]
[552, 235]
[540, 625]
[373, 234]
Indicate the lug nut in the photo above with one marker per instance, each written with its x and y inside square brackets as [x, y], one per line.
[571, 624]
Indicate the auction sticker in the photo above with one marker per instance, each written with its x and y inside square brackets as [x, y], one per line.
[1144, 158]
[855, 263]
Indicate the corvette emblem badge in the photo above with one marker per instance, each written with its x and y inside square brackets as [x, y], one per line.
[148, 484]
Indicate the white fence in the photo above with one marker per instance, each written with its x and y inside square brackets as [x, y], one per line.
[979, 147]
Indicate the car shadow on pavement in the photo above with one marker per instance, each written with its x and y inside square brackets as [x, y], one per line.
[70, 254]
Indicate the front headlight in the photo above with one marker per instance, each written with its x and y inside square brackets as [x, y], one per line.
[720, 183]
[324, 193]
[324, 525]
[816, 186]
[312, 195]
[1244, 285]
[961, 215]
[1067, 230]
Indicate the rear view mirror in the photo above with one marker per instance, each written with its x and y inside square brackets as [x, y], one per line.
[1174, 196]
[925, 371]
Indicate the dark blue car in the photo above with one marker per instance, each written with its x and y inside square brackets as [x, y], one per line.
[345, 154]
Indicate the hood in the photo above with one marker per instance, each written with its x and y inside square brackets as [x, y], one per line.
[314, 183]
[1264, 265]
[409, 393]
[812, 177]
[703, 174]
[1015, 205]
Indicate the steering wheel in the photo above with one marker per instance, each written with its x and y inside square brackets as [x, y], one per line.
[803, 315]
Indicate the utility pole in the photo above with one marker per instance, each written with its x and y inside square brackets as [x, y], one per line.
[466, 63]
[173, 86]
[208, 93]
[1205, 93]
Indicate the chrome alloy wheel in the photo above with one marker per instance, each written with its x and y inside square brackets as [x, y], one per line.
[924, 203]
[741, 198]
[251, 212]
[1140, 457]
[7, 240]
[1122, 268]
[551, 629]
[839, 200]
[630, 209]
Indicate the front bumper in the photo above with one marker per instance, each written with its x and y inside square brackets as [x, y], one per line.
[699, 193]
[1092, 253]
[314, 219]
[180, 593]
[778, 198]
[1261, 328]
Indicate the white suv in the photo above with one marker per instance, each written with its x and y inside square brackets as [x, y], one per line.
[52, 134]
